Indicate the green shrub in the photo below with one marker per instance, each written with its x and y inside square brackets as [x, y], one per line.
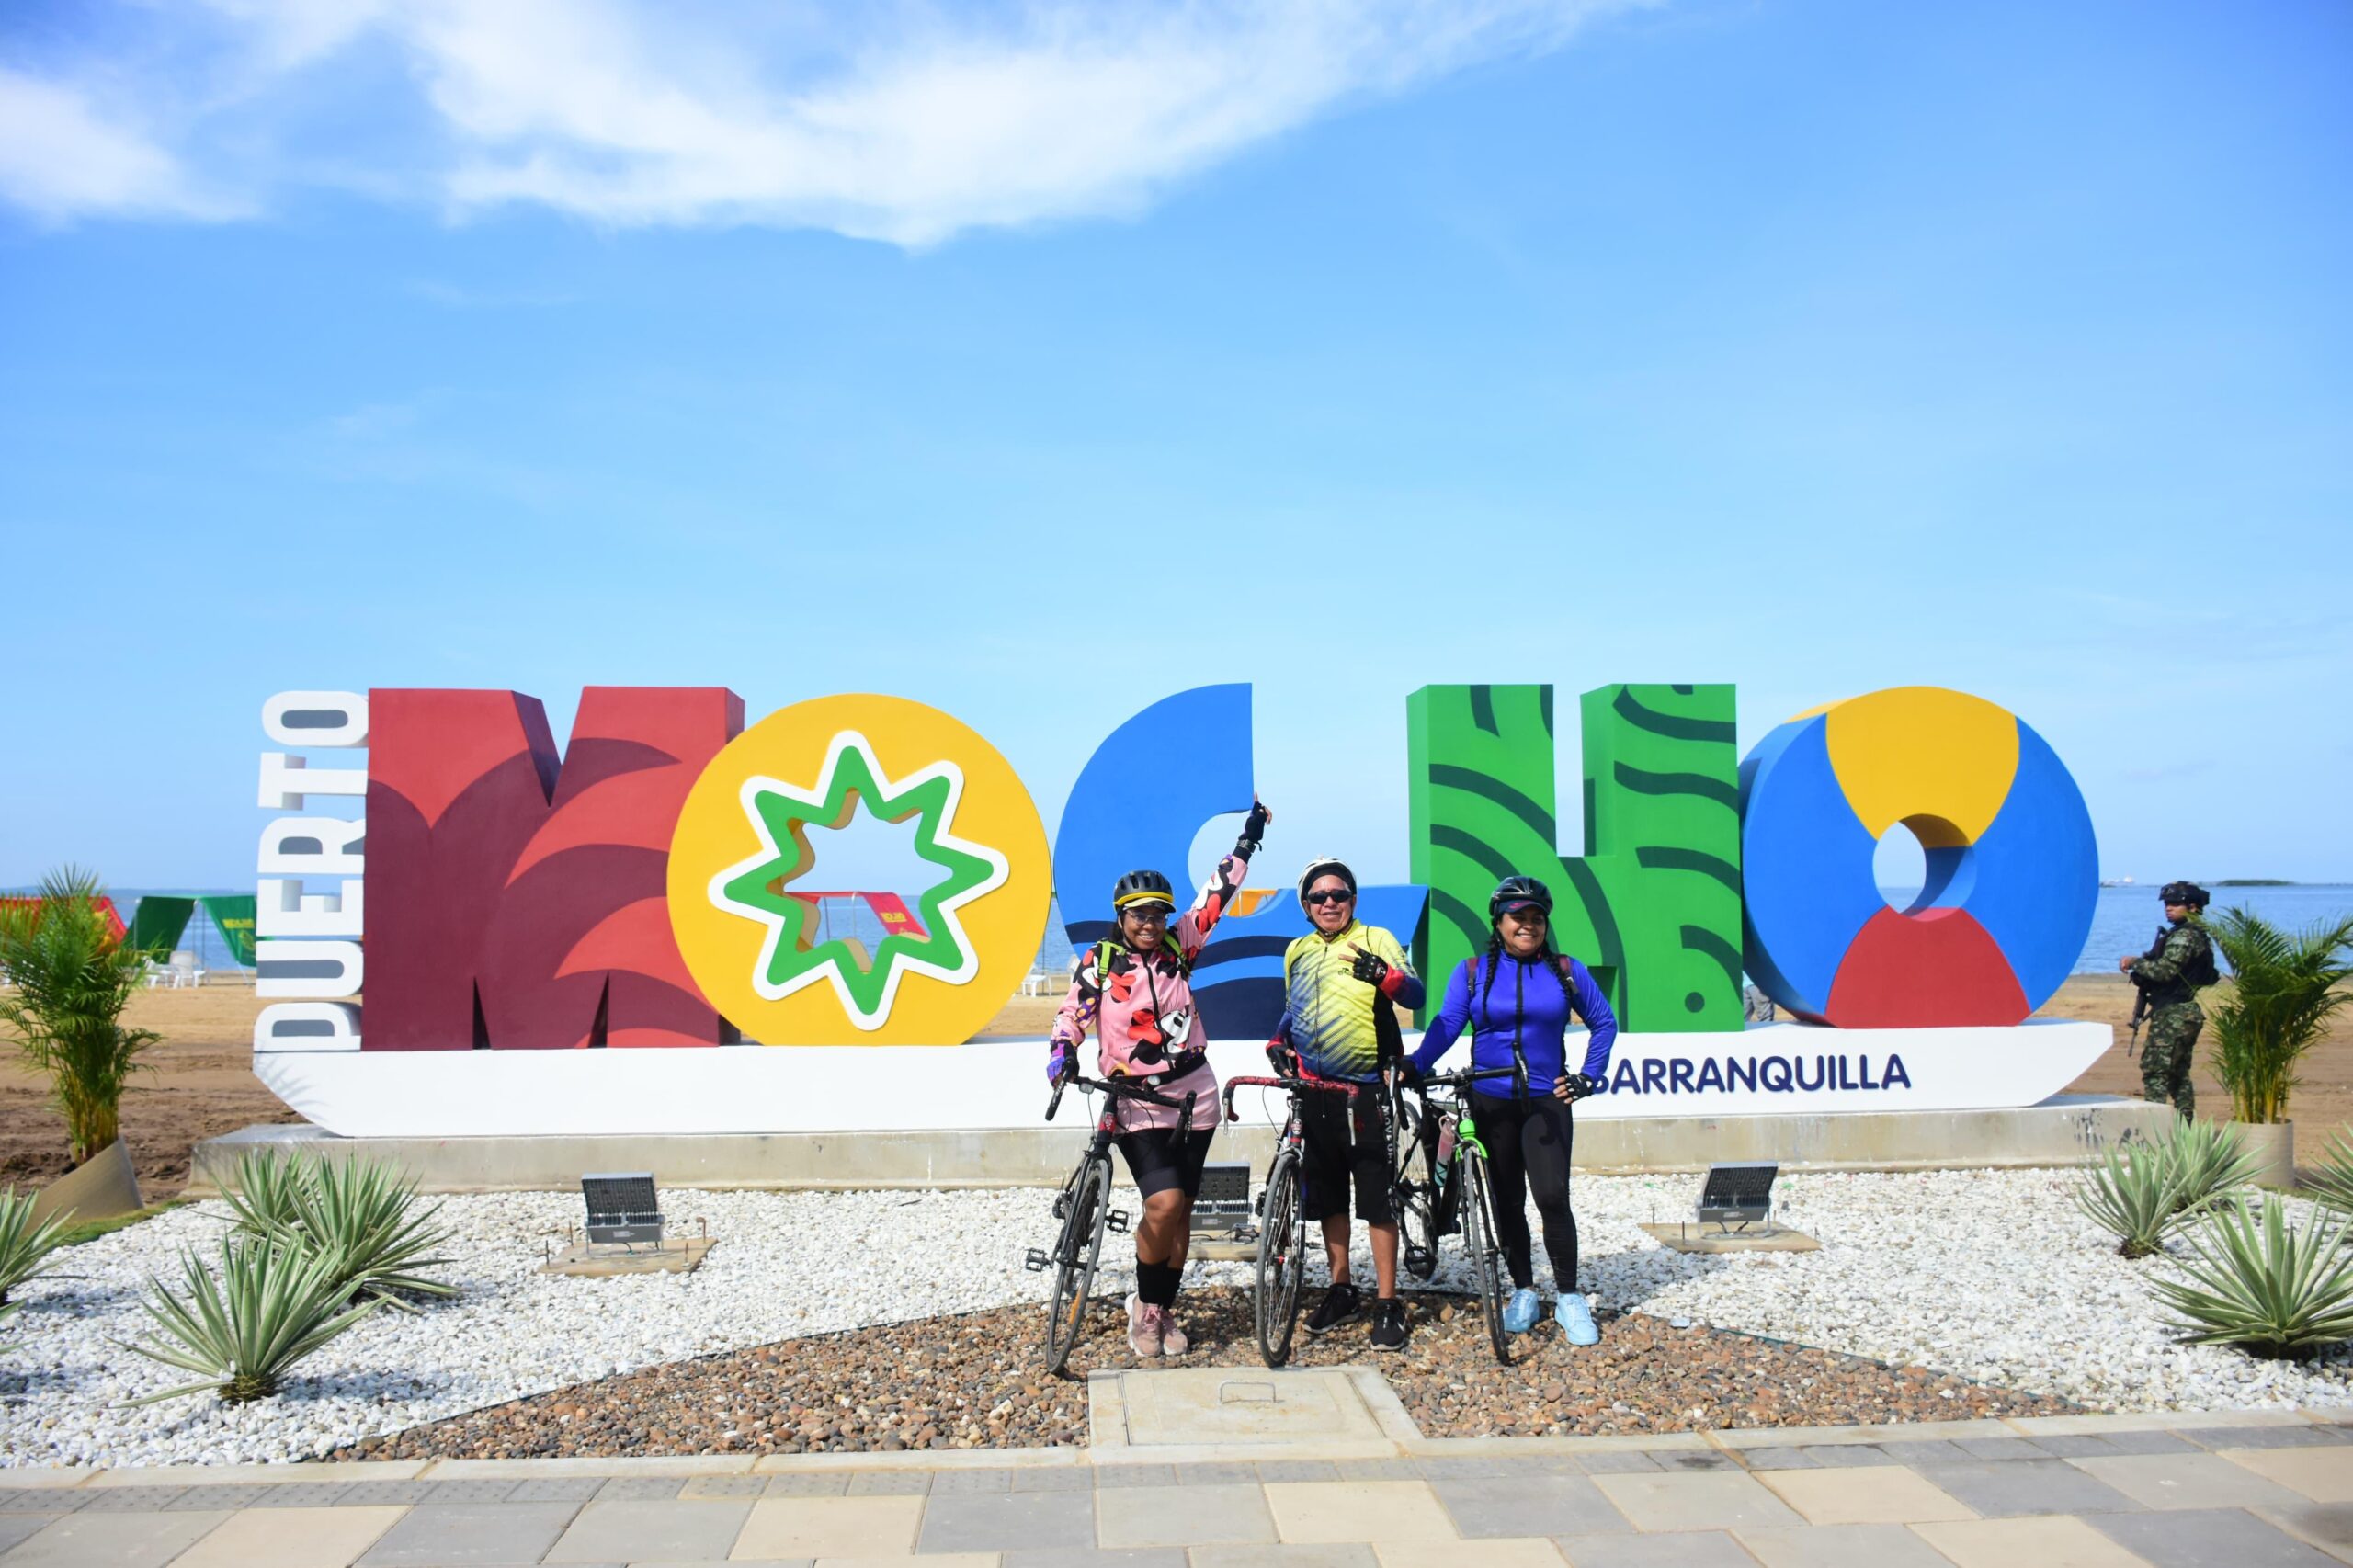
[2207, 1160]
[24, 1246]
[2260, 1284]
[2283, 991]
[243, 1331]
[2134, 1194]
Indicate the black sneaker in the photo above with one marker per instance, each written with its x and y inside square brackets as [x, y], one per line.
[1389, 1330]
[1340, 1303]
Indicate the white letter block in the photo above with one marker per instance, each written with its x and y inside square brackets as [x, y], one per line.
[288, 781]
[307, 961]
[314, 846]
[307, 1025]
[316, 719]
[281, 909]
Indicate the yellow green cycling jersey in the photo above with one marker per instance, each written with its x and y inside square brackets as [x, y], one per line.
[1328, 1012]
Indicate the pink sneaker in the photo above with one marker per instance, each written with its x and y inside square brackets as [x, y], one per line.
[1172, 1338]
[1143, 1328]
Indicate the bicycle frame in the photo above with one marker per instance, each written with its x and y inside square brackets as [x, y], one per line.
[1083, 1206]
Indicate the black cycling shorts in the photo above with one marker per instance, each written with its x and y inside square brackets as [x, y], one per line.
[1160, 1158]
[1341, 1138]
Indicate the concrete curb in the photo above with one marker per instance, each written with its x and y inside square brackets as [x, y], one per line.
[1729, 1440]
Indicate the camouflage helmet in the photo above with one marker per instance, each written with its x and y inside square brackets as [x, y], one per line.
[2189, 894]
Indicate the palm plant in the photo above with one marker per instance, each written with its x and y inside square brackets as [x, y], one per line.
[2134, 1194]
[271, 1305]
[361, 1213]
[2284, 989]
[24, 1246]
[2261, 1284]
[2208, 1161]
[73, 977]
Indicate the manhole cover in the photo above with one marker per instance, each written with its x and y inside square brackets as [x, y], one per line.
[1214, 1404]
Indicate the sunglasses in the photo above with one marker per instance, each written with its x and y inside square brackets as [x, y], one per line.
[1154, 915]
[1320, 898]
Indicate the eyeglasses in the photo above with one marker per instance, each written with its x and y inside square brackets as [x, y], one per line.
[1320, 898]
[1152, 916]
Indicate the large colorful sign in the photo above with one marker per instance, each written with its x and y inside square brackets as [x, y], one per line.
[529, 922]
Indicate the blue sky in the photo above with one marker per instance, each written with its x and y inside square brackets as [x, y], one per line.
[1035, 362]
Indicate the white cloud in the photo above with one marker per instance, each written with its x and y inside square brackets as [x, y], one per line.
[61, 159]
[889, 120]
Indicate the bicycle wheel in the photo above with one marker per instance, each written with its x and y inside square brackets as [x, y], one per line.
[1417, 1197]
[1282, 1255]
[1086, 1204]
[1485, 1252]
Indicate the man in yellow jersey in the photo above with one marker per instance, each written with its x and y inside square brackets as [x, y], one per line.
[1343, 983]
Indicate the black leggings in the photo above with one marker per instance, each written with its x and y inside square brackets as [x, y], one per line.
[1528, 1146]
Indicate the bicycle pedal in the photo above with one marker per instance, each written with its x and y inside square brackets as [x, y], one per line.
[1037, 1262]
[1117, 1219]
[1062, 1205]
[1418, 1259]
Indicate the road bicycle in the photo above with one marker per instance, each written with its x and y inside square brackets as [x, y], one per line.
[1283, 1241]
[1084, 1209]
[1450, 1190]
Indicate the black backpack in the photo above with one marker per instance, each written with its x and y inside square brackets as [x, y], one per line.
[2200, 971]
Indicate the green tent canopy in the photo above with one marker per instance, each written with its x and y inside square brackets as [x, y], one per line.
[232, 916]
[159, 922]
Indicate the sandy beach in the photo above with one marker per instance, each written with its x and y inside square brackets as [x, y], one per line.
[203, 1083]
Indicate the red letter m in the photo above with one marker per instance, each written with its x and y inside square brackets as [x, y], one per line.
[517, 903]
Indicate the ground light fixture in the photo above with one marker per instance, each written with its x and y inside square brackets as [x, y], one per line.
[1735, 1197]
[622, 1207]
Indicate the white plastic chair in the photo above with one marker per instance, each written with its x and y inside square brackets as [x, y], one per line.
[185, 970]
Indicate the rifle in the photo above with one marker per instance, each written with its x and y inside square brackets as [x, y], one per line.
[2140, 993]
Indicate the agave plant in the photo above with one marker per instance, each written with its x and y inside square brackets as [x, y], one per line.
[241, 1334]
[265, 1196]
[2133, 1193]
[363, 1215]
[2208, 1162]
[2331, 1182]
[359, 1212]
[24, 1246]
[2261, 1284]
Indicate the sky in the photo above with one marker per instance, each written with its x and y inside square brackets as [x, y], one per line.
[1037, 361]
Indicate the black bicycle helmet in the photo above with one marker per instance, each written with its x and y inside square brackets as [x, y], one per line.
[1325, 865]
[2189, 893]
[1142, 886]
[1519, 892]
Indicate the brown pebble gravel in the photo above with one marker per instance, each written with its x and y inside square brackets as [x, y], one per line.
[977, 1381]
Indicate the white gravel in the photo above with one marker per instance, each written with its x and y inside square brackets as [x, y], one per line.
[1992, 1274]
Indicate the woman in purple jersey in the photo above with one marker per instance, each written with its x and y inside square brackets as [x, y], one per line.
[1518, 999]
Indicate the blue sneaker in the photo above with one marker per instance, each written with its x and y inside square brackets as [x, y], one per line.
[1575, 1319]
[1519, 1313]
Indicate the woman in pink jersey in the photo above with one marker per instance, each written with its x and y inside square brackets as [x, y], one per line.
[1136, 988]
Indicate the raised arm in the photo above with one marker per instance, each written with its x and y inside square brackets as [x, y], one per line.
[1192, 932]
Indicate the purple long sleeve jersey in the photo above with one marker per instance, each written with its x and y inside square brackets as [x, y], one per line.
[1526, 1000]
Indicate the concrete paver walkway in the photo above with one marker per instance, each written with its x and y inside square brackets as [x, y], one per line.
[2247, 1490]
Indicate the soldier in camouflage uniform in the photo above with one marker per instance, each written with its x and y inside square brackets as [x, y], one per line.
[2171, 971]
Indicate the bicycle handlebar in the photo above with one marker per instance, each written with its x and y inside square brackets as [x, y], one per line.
[1458, 1080]
[1119, 1088]
[1291, 1086]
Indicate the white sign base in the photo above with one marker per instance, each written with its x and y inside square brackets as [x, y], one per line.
[1769, 1069]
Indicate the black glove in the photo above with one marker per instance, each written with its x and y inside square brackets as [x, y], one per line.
[1253, 829]
[1575, 1086]
[1407, 1074]
[1371, 967]
[1283, 1059]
